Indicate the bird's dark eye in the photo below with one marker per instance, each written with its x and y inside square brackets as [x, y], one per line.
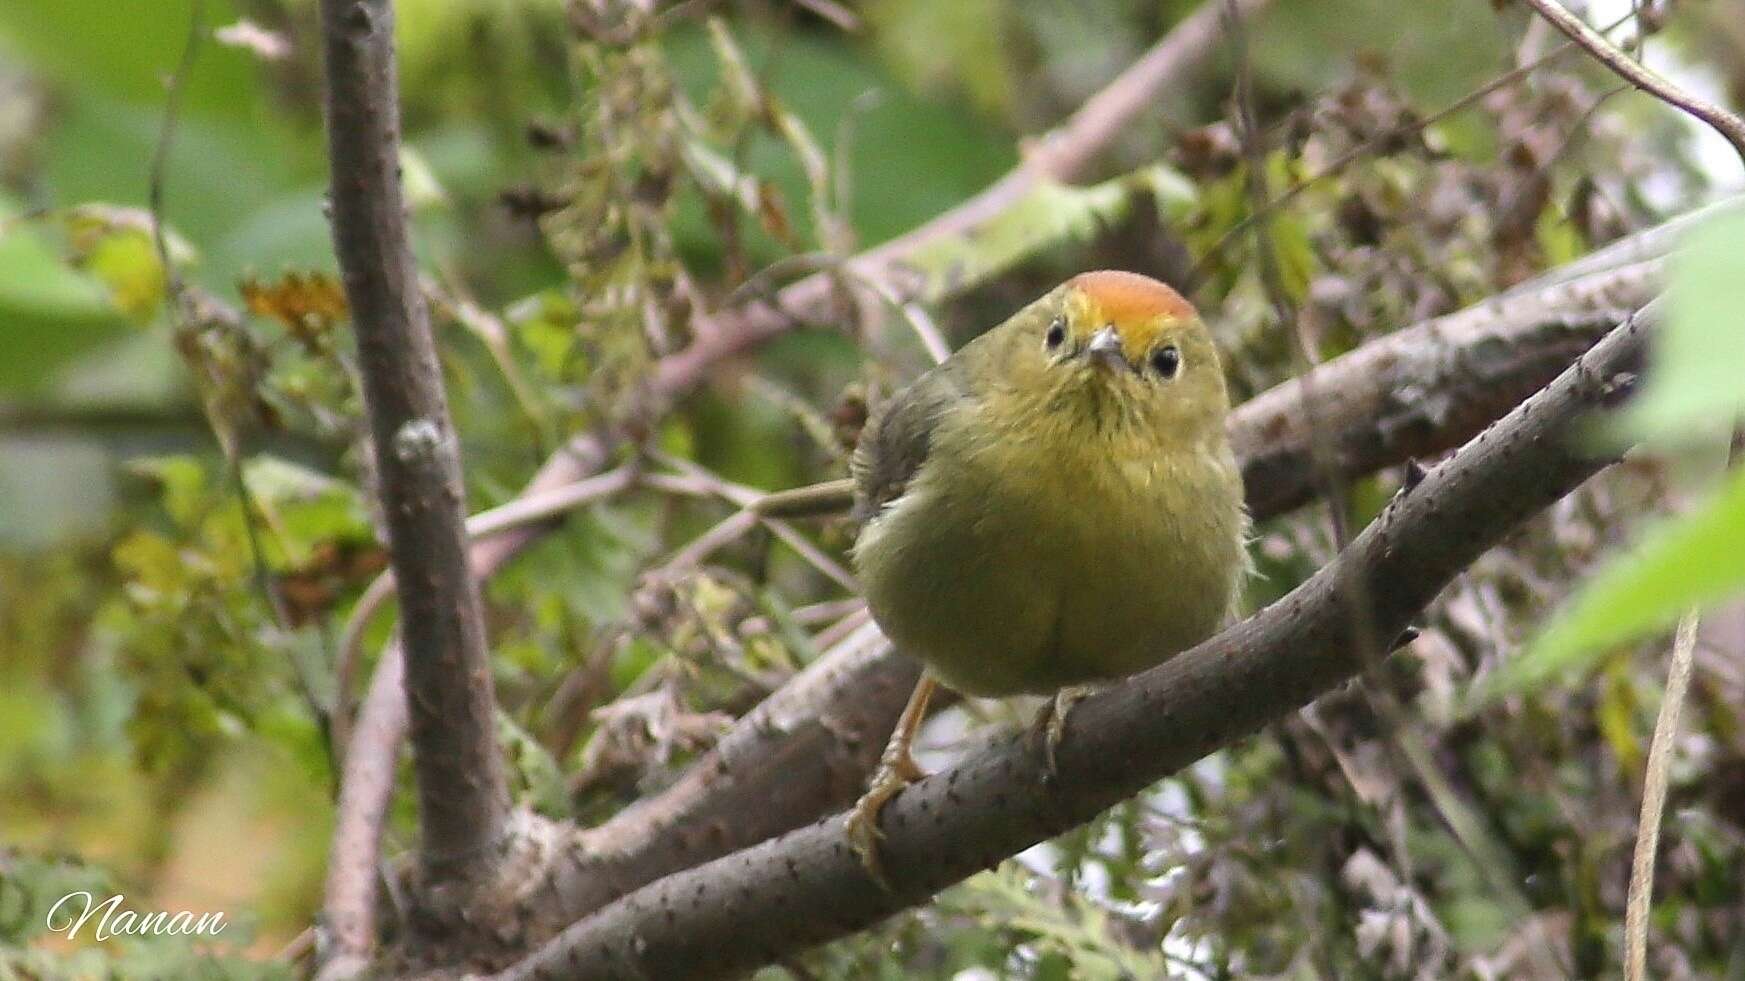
[1056, 335]
[1167, 361]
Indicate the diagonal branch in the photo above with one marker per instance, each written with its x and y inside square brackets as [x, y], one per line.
[744, 910]
[1731, 127]
[463, 800]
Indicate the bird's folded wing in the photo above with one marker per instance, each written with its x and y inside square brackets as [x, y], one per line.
[897, 439]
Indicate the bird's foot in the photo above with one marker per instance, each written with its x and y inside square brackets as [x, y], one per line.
[896, 771]
[1050, 724]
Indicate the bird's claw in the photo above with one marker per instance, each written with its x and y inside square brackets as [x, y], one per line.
[895, 772]
[1050, 726]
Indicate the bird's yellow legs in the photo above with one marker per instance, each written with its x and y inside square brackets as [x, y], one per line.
[897, 769]
[1050, 723]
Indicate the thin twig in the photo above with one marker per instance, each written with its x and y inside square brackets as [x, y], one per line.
[1731, 127]
[529, 509]
[698, 479]
[1338, 164]
[160, 157]
[1641, 896]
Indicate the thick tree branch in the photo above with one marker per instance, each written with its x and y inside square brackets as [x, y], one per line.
[463, 799]
[769, 901]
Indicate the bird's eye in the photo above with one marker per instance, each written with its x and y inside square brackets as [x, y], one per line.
[1167, 361]
[1056, 335]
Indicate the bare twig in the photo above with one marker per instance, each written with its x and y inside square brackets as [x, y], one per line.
[463, 796]
[738, 911]
[1731, 127]
[1064, 154]
[747, 499]
[1641, 895]
[529, 509]
[349, 895]
[1393, 133]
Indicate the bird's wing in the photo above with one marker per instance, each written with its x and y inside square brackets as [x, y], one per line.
[897, 439]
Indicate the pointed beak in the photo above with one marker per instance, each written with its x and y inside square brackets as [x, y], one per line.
[1105, 349]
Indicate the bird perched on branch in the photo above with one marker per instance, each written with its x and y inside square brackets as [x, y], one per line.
[1054, 505]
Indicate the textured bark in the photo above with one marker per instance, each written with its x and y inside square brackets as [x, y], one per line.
[758, 905]
[463, 801]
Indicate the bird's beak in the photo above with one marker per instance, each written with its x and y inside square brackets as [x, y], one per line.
[1105, 349]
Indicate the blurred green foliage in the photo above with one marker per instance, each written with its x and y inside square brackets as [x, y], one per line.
[1692, 398]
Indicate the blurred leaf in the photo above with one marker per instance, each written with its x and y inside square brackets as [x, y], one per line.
[115, 245]
[305, 508]
[1558, 237]
[220, 171]
[908, 158]
[49, 312]
[1694, 560]
[539, 782]
[182, 485]
[309, 305]
[949, 45]
[125, 51]
[1695, 382]
[1049, 214]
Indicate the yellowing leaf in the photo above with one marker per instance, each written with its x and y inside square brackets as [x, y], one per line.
[308, 304]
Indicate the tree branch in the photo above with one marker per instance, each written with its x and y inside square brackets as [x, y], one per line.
[744, 910]
[463, 798]
[1731, 127]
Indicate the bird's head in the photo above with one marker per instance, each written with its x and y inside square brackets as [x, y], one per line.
[1111, 339]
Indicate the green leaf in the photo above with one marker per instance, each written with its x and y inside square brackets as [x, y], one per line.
[1049, 214]
[49, 312]
[1695, 560]
[1694, 383]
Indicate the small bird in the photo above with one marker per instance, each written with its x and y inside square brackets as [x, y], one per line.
[1054, 505]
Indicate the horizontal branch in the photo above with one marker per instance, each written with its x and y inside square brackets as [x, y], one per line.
[772, 900]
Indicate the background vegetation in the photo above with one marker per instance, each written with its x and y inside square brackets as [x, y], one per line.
[168, 644]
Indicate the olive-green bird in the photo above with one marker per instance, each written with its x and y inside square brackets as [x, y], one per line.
[1055, 504]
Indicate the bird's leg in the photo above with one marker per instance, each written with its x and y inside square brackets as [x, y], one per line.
[897, 769]
[1050, 723]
